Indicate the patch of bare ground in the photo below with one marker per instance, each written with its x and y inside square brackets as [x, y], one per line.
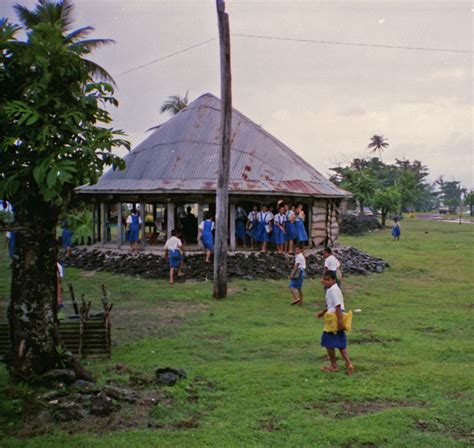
[131, 321]
[453, 431]
[271, 423]
[347, 409]
[365, 336]
[49, 415]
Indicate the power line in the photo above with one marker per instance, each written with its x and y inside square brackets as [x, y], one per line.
[166, 57]
[353, 44]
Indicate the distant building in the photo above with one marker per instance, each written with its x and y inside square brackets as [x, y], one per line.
[177, 165]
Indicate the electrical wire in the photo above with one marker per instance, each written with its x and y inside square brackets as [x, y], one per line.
[352, 44]
[167, 56]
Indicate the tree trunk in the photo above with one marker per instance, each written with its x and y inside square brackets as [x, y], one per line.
[361, 208]
[222, 193]
[33, 299]
[384, 217]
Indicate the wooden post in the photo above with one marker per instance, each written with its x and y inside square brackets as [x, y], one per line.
[170, 219]
[94, 223]
[103, 219]
[232, 226]
[119, 225]
[310, 225]
[142, 225]
[200, 216]
[222, 192]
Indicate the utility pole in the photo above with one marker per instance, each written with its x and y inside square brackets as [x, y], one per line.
[222, 192]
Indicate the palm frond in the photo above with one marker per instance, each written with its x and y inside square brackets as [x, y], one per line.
[66, 14]
[86, 46]
[174, 103]
[73, 36]
[26, 17]
[98, 72]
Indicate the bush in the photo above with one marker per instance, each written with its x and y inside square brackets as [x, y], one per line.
[358, 225]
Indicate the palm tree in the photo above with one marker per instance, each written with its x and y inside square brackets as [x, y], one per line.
[60, 14]
[377, 143]
[174, 104]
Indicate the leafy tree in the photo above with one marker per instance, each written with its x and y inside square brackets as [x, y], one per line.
[469, 201]
[450, 193]
[174, 103]
[55, 137]
[411, 182]
[377, 143]
[387, 200]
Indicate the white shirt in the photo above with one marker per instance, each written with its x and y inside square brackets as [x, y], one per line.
[252, 216]
[334, 297]
[201, 226]
[331, 263]
[280, 219]
[173, 243]
[300, 261]
[129, 219]
[265, 217]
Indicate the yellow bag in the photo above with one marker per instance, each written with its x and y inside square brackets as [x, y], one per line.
[330, 322]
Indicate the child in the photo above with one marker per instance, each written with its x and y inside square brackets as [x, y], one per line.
[67, 235]
[279, 229]
[134, 222]
[297, 276]
[205, 235]
[396, 230]
[252, 223]
[264, 228]
[334, 304]
[301, 234]
[290, 230]
[331, 263]
[174, 253]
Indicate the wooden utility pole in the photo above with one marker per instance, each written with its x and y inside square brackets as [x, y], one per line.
[222, 192]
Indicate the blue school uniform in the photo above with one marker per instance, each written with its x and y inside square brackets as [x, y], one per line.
[11, 244]
[297, 283]
[301, 234]
[253, 219]
[134, 230]
[396, 231]
[206, 237]
[334, 340]
[175, 258]
[67, 237]
[240, 231]
[278, 236]
[290, 230]
[261, 234]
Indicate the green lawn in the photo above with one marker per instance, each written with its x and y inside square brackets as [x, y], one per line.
[412, 348]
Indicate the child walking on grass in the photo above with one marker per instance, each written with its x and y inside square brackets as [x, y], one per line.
[338, 339]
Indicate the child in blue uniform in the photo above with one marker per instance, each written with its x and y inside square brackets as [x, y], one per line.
[66, 237]
[334, 304]
[290, 231]
[174, 253]
[301, 234]
[297, 276]
[396, 230]
[252, 224]
[264, 227]
[279, 222]
[134, 221]
[205, 235]
[240, 231]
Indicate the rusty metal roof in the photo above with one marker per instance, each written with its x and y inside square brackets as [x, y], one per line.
[181, 155]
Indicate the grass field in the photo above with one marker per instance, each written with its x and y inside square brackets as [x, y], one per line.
[258, 360]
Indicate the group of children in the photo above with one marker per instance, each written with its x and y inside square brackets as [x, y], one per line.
[283, 229]
[334, 336]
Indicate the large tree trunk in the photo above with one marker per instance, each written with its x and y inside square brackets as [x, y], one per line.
[32, 310]
[384, 218]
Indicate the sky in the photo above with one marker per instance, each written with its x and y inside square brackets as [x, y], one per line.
[323, 100]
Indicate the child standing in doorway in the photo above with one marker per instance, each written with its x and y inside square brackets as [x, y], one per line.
[338, 340]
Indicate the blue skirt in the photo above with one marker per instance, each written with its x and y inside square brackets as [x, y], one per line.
[261, 234]
[175, 259]
[133, 233]
[67, 238]
[334, 340]
[290, 229]
[396, 231]
[208, 241]
[297, 283]
[301, 234]
[253, 231]
[278, 236]
[240, 231]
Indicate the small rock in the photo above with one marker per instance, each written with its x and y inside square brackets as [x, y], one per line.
[120, 394]
[102, 405]
[68, 411]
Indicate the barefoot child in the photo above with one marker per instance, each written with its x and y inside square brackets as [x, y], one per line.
[174, 252]
[334, 304]
[297, 276]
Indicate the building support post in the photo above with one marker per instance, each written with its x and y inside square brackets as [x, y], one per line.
[119, 225]
[103, 223]
[94, 223]
[310, 224]
[232, 226]
[170, 219]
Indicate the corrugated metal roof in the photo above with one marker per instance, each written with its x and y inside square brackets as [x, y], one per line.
[181, 155]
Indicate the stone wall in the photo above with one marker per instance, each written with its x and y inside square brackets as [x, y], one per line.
[325, 221]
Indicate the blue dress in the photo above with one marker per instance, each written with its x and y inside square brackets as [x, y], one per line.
[133, 234]
[240, 231]
[261, 233]
[396, 231]
[206, 236]
[253, 218]
[290, 230]
[301, 234]
[278, 235]
[67, 237]
[175, 258]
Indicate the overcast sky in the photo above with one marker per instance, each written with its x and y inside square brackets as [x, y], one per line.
[324, 101]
